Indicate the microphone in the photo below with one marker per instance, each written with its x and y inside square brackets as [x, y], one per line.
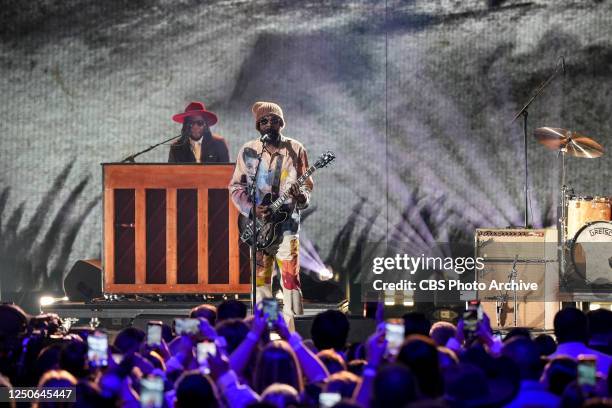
[265, 138]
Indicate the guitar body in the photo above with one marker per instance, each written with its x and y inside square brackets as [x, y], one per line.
[268, 231]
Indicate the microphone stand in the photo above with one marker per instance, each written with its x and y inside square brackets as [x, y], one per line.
[252, 193]
[523, 112]
[130, 159]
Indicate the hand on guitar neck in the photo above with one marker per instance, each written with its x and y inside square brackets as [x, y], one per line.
[296, 193]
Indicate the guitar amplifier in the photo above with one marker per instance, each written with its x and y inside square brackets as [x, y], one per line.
[531, 256]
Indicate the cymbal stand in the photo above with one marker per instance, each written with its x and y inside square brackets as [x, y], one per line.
[562, 219]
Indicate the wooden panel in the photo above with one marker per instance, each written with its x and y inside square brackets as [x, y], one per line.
[234, 252]
[124, 237]
[156, 235]
[173, 177]
[163, 176]
[245, 262]
[141, 236]
[187, 236]
[187, 288]
[171, 236]
[218, 236]
[203, 236]
[109, 233]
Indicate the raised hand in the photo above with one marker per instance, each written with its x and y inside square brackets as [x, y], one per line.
[484, 331]
[218, 365]
[376, 346]
[206, 330]
[281, 327]
[259, 323]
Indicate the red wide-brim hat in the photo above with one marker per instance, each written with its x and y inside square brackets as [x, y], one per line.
[196, 109]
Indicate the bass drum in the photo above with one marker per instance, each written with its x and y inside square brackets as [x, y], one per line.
[592, 252]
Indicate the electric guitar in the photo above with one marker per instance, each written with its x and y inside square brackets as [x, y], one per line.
[268, 230]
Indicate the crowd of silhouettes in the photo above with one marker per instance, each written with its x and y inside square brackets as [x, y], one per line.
[256, 361]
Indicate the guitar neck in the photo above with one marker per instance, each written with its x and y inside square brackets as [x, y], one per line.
[300, 181]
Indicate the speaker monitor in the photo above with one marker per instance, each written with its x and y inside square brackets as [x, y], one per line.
[84, 281]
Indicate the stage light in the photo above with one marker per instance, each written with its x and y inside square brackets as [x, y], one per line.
[594, 306]
[325, 274]
[49, 300]
[408, 303]
[46, 300]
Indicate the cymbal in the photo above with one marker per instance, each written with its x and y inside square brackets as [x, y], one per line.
[574, 144]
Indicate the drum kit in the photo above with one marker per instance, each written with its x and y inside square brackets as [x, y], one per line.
[585, 222]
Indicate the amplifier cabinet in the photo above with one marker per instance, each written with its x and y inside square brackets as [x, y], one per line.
[531, 256]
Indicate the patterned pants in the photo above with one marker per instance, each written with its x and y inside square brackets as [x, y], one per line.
[286, 256]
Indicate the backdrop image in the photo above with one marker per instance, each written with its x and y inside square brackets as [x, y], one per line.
[415, 98]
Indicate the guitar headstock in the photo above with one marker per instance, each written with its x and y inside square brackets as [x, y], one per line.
[325, 159]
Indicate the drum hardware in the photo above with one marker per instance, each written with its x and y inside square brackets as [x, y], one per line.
[573, 144]
[501, 300]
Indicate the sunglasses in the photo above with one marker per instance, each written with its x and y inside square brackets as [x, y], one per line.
[197, 122]
[273, 121]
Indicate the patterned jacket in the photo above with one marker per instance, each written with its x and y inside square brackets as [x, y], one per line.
[276, 174]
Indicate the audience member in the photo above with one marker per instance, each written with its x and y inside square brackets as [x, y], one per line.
[394, 387]
[129, 340]
[416, 323]
[343, 383]
[330, 330]
[546, 344]
[558, 373]
[525, 354]
[234, 331]
[441, 332]
[600, 334]
[281, 395]
[195, 390]
[277, 363]
[205, 311]
[420, 354]
[231, 309]
[73, 358]
[572, 333]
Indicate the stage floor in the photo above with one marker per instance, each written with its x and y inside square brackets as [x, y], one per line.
[121, 309]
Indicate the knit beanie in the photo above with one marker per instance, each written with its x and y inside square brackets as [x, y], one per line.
[261, 109]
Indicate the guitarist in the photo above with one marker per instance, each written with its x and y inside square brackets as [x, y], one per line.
[283, 161]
